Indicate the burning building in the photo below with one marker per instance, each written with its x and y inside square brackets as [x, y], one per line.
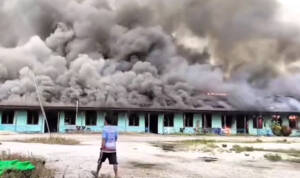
[29, 119]
[154, 56]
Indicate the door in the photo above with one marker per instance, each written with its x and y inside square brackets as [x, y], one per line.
[52, 117]
[151, 123]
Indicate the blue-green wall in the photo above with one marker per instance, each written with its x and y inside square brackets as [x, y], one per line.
[178, 123]
[160, 123]
[216, 121]
[197, 124]
[20, 124]
[122, 121]
[140, 128]
[62, 127]
[99, 124]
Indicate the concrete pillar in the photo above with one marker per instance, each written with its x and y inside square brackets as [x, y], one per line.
[160, 124]
[122, 120]
[178, 122]
[197, 122]
[285, 120]
[234, 125]
[61, 121]
[216, 121]
[100, 120]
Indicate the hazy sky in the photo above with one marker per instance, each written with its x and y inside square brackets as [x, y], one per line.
[291, 10]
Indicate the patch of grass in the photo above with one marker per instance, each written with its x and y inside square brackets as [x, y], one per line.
[296, 154]
[212, 145]
[198, 142]
[239, 149]
[186, 145]
[165, 146]
[283, 141]
[206, 149]
[290, 151]
[40, 169]
[258, 140]
[294, 160]
[273, 157]
[51, 140]
[142, 165]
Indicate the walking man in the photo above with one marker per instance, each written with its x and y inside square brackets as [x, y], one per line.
[108, 146]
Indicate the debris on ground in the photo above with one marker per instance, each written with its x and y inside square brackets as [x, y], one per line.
[208, 159]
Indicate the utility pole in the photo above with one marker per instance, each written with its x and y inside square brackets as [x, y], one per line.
[77, 103]
[40, 101]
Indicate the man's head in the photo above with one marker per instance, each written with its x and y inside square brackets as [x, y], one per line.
[109, 118]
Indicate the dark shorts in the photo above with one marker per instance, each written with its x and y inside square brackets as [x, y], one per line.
[112, 157]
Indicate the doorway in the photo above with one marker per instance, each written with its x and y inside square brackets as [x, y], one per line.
[242, 124]
[206, 121]
[52, 117]
[151, 123]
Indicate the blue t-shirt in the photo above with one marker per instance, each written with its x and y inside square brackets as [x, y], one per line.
[110, 134]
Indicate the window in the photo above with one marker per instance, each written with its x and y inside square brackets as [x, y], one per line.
[91, 118]
[70, 117]
[293, 121]
[227, 121]
[134, 120]
[189, 120]
[32, 117]
[169, 120]
[258, 121]
[8, 117]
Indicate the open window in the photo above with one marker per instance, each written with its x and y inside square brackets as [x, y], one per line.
[227, 121]
[8, 117]
[189, 120]
[293, 121]
[134, 119]
[91, 118]
[70, 117]
[32, 117]
[169, 120]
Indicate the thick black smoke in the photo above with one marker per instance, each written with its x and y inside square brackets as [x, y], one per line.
[149, 53]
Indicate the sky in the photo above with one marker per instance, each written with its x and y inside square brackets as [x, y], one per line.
[290, 11]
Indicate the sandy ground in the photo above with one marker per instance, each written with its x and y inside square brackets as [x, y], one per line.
[139, 158]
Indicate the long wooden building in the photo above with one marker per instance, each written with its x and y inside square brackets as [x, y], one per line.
[62, 119]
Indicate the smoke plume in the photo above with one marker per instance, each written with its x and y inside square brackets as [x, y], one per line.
[204, 54]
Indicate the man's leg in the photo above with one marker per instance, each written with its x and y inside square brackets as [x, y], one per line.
[98, 168]
[99, 165]
[116, 170]
[113, 161]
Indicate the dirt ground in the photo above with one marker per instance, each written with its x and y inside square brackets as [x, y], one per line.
[139, 157]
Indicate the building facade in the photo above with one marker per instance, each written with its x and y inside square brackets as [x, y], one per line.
[29, 119]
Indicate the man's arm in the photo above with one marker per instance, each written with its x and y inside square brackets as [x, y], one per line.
[116, 136]
[104, 137]
[103, 143]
